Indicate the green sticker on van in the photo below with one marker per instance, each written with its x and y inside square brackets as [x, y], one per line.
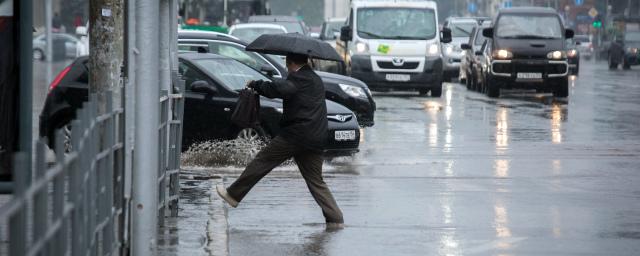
[383, 48]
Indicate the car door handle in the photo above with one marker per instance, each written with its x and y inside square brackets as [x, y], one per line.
[227, 109]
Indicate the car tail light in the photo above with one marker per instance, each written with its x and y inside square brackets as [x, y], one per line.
[59, 78]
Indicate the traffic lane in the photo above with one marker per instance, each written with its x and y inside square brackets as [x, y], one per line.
[464, 174]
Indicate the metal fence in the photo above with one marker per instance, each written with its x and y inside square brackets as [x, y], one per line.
[78, 205]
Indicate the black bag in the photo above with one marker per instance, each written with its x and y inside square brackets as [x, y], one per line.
[246, 113]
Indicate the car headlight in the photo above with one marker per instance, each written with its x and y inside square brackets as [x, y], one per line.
[556, 55]
[362, 47]
[448, 49]
[502, 54]
[353, 91]
[433, 50]
[572, 53]
[632, 50]
[279, 110]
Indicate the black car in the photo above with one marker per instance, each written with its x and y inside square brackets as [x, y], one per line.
[211, 93]
[529, 51]
[471, 53]
[350, 92]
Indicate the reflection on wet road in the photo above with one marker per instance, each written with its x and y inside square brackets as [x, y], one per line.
[467, 175]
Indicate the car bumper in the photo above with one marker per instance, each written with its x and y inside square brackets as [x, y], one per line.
[430, 77]
[341, 148]
[505, 72]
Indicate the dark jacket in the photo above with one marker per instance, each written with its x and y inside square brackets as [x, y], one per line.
[304, 118]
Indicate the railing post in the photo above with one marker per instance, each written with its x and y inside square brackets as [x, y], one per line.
[145, 177]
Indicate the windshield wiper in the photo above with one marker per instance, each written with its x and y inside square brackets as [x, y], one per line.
[370, 34]
[406, 37]
[529, 37]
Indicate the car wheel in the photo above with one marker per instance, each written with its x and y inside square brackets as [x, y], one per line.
[612, 64]
[492, 89]
[561, 90]
[66, 138]
[38, 54]
[436, 91]
[252, 134]
[423, 92]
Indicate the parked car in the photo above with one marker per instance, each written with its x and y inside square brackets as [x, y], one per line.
[63, 46]
[584, 45]
[472, 51]
[482, 68]
[350, 92]
[211, 93]
[250, 31]
[624, 49]
[573, 56]
[529, 51]
[330, 31]
[292, 24]
[452, 53]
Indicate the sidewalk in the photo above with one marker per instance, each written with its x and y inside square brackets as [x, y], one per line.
[201, 225]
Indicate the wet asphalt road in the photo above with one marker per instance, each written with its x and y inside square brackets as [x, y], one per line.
[467, 175]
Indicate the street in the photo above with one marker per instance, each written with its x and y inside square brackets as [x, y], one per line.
[467, 175]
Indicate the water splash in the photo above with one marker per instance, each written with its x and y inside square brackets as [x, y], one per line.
[236, 152]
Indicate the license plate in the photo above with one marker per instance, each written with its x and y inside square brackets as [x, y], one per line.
[398, 77]
[345, 135]
[530, 75]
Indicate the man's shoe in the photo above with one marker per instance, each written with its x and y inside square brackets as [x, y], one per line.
[334, 225]
[222, 192]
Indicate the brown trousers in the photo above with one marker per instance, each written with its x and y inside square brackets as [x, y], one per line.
[310, 165]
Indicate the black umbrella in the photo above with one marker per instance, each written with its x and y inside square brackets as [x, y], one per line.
[283, 44]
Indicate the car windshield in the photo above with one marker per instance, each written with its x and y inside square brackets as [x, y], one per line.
[461, 29]
[582, 39]
[332, 28]
[522, 26]
[632, 36]
[250, 34]
[291, 27]
[396, 23]
[231, 73]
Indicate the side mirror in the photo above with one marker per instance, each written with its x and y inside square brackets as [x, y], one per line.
[268, 70]
[203, 87]
[81, 31]
[465, 47]
[568, 33]
[478, 53]
[346, 34]
[445, 35]
[487, 32]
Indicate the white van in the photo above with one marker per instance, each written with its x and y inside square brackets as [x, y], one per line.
[394, 45]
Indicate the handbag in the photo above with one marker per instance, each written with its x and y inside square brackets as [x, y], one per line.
[247, 110]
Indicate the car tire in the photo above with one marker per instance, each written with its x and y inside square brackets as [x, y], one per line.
[423, 92]
[436, 91]
[625, 65]
[492, 89]
[468, 82]
[612, 64]
[561, 90]
[65, 127]
[38, 54]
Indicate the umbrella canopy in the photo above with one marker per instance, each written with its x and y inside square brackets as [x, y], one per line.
[283, 44]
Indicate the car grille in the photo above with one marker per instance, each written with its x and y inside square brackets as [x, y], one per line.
[405, 65]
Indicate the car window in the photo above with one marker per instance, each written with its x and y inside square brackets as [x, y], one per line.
[479, 37]
[462, 29]
[250, 34]
[190, 74]
[238, 53]
[529, 26]
[231, 73]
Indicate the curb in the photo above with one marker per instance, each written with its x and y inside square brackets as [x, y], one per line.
[217, 225]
